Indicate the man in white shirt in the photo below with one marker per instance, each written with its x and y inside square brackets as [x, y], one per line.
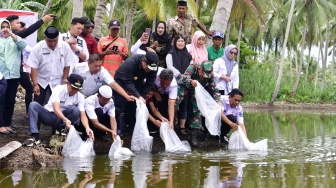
[50, 63]
[100, 110]
[77, 44]
[165, 94]
[65, 107]
[94, 75]
[233, 115]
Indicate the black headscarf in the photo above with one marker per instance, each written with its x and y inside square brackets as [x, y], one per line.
[164, 38]
[181, 58]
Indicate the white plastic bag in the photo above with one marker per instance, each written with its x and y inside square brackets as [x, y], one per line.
[141, 139]
[209, 109]
[239, 141]
[74, 146]
[171, 140]
[117, 151]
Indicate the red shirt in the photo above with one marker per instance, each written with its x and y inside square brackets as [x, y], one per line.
[91, 43]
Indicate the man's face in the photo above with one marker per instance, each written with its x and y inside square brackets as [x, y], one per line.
[149, 94]
[181, 10]
[144, 66]
[72, 91]
[102, 100]
[16, 26]
[51, 43]
[76, 29]
[95, 67]
[235, 100]
[217, 41]
[85, 31]
[165, 83]
[114, 32]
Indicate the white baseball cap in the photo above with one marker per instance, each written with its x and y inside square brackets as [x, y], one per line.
[105, 91]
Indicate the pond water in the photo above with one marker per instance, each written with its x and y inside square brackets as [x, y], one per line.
[301, 153]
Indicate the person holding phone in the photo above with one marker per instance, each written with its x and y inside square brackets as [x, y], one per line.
[11, 47]
[113, 58]
[140, 46]
[20, 30]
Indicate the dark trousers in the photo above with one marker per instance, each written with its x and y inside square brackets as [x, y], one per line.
[27, 85]
[120, 103]
[44, 96]
[225, 128]
[7, 102]
[162, 107]
[3, 86]
[103, 119]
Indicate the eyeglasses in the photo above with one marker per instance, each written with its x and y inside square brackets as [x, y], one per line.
[233, 53]
[90, 27]
[2, 27]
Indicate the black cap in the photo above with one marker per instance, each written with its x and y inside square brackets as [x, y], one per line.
[51, 32]
[114, 24]
[181, 3]
[76, 81]
[87, 22]
[152, 60]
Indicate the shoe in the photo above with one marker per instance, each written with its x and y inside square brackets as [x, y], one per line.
[31, 142]
[5, 132]
[206, 136]
[183, 131]
[11, 131]
[224, 140]
[61, 130]
[193, 139]
[14, 126]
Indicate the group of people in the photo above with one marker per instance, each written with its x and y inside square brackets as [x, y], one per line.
[92, 83]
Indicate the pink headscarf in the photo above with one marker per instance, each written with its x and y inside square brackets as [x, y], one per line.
[199, 54]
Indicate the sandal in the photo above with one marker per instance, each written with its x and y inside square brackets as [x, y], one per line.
[183, 131]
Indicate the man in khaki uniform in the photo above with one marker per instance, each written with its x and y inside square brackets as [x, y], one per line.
[182, 23]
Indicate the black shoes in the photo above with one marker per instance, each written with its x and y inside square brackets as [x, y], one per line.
[193, 138]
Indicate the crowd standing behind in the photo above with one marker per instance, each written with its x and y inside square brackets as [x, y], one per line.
[90, 81]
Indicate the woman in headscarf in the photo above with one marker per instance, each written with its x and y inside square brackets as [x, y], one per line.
[225, 70]
[178, 59]
[161, 43]
[11, 47]
[197, 48]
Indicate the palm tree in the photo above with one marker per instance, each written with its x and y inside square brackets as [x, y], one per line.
[19, 5]
[221, 16]
[77, 8]
[98, 18]
[275, 94]
[129, 23]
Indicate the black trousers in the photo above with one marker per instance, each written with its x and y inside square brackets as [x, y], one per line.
[27, 85]
[225, 128]
[44, 96]
[7, 102]
[102, 118]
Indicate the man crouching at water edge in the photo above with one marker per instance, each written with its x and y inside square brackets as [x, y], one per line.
[232, 116]
[64, 108]
[101, 112]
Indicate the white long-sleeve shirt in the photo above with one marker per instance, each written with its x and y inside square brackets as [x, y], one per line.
[135, 49]
[219, 69]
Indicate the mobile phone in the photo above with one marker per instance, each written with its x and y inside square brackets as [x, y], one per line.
[114, 48]
[2, 35]
[54, 17]
[148, 31]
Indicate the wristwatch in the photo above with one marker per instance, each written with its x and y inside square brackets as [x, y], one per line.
[77, 53]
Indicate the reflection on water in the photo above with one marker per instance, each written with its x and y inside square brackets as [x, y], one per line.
[301, 154]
